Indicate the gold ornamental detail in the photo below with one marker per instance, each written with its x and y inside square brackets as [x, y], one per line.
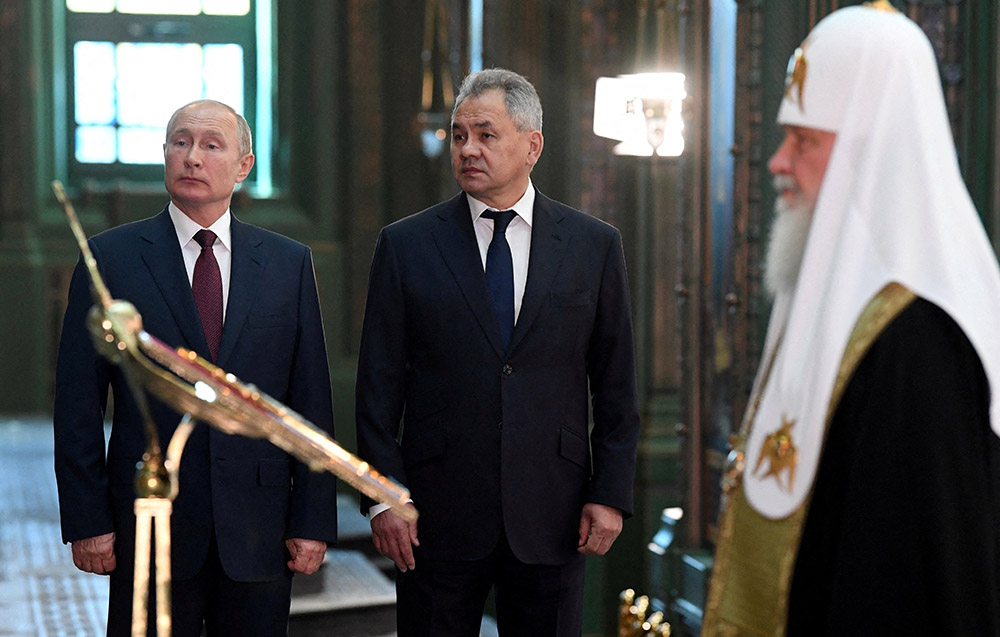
[781, 455]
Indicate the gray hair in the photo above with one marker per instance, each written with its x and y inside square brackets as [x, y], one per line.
[243, 135]
[523, 105]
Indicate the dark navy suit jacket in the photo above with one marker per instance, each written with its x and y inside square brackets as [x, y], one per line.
[251, 493]
[488, 439]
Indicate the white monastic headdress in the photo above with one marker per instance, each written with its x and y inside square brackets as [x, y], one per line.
[892, 208]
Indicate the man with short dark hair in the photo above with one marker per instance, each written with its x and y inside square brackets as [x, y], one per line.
[487, 317]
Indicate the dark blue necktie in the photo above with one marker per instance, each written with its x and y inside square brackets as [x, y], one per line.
[500, 272]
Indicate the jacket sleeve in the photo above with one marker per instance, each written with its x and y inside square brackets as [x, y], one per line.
[314, 494]
[82, 380]
[611, 369]
[381, 384]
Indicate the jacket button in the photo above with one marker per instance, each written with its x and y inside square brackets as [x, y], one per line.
[500, 426]
[507, 370]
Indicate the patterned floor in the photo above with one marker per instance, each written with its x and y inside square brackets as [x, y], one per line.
[41, 592]
[43, 595]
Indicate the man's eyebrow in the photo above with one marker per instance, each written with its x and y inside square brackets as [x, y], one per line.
[211, 132]
[483, 123]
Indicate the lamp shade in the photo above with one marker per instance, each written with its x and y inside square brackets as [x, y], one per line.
[642, 111]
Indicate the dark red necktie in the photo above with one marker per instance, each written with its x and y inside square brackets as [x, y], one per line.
[207, 287]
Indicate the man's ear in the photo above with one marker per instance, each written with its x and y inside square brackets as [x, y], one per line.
[246, 163]
[536, 142]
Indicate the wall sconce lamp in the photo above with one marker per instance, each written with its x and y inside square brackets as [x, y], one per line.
[642, 111]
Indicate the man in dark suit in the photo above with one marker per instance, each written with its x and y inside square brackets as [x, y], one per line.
[485, 334]
[247, 515]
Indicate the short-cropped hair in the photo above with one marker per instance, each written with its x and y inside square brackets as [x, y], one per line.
[523, 105]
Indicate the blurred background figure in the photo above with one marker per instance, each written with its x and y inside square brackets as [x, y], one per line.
[864, 495]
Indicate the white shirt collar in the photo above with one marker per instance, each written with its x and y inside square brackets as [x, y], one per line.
[524, 207]
[186, 228]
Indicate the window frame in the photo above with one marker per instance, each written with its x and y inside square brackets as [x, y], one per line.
[152, 28]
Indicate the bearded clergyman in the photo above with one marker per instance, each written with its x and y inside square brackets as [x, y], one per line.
[862, 495]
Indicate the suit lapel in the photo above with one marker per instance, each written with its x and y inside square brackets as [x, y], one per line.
[247, 266]
[456, 241]
[548, 246]
[162, 256]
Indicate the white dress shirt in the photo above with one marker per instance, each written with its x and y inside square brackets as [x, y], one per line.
[222, 248]
[518, 237]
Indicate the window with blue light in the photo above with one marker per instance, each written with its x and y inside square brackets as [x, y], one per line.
[132, 63]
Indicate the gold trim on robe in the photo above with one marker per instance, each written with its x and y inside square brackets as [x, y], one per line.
[755, 556]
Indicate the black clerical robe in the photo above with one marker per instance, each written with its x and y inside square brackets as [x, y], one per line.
[902, 532]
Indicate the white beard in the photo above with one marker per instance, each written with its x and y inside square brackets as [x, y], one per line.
[787, 242]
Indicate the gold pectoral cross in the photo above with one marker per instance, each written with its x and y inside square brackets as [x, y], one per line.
[781, 454]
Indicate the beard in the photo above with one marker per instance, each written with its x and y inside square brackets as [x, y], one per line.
[787, 242]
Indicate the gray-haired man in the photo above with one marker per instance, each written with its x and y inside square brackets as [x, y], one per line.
[487, 317]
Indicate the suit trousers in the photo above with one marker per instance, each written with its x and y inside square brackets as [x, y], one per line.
[226, 608]
[446, 598]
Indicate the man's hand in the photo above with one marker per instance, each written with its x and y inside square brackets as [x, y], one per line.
[599, 528]
[395, 538]
[307, 555]
[95, 554]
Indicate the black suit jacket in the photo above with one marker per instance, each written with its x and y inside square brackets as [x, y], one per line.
[250, 492]
[487, 439]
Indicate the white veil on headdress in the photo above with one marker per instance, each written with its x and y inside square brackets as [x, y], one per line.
[892, 208]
